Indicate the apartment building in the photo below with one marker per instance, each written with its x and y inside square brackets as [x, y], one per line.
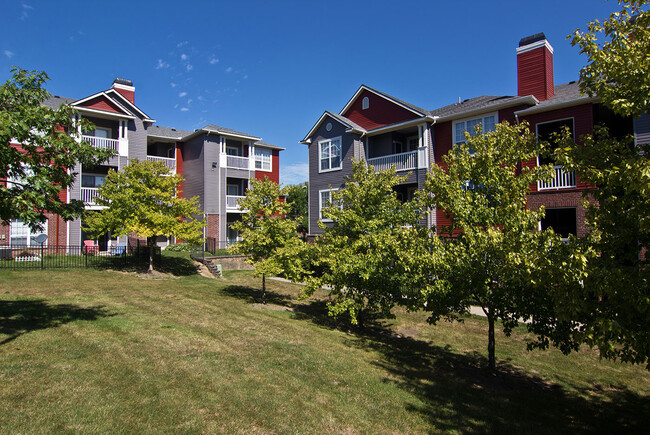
[215, 162]
[386, 131]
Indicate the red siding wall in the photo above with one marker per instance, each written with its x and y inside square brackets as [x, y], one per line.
[535, 73]
[583, 121]
[129, 95]
[274, 174]
[381, 112]
[101, 103]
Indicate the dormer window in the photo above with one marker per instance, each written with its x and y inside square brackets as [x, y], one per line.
[365, 103]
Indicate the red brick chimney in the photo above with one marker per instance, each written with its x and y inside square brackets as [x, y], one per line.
[535, 67]
[125, 88]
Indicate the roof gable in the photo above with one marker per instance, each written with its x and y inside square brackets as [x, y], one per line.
[338, 118]
[382, 109]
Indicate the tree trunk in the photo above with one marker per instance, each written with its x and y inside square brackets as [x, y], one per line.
[151, 243]
[264, 288]
[491, 342]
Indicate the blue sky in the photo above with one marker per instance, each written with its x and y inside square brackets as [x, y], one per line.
[270, 68]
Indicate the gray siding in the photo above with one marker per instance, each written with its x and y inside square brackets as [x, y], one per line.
[351, 146]
[212, 177]
[137, 135]
[642, 129]
[193, 170]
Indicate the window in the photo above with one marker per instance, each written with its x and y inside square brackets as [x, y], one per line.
[232, 151]
[21, 235]
[468, 125]
[232, 190]
[413, 142]
[545, 132]
[365, 103]
[325, 199]
[92, 180]
[263, 159]
[562, 220]
[103, 132]
[330, 154]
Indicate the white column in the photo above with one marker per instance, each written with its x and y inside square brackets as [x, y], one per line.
[123, 139]
[423, 133]
[251, 156]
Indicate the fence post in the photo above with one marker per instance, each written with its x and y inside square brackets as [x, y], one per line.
[42, 258]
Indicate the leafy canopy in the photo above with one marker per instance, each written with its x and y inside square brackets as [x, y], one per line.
[267, 235]
[368, 254]
[495, 259]
[142, 199]
[50, 148]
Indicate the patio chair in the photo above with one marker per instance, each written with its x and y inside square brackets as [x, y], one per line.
[90, 247]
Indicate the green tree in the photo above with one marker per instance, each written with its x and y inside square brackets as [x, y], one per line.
[268, 236]
[50, 147]
[142, 199]
[297, 197]
[618, 66]
[492, 254]
[614, 303]
[368, 255]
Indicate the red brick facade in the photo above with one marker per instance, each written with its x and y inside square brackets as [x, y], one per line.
[212, 226]
[574, 199]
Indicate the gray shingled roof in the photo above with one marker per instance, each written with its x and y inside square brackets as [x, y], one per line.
[54, 102]
[268, 145]
[172, 133]
[216, 129]
[473, 104]
[566, 93]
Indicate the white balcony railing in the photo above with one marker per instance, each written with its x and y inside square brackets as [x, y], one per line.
[102, 142]
[169, 162]
[88, 194]
[237, 162]
[231, 202]
[561, 180]
[402, 161]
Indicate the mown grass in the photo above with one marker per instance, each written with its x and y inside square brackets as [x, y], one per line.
[104, 351]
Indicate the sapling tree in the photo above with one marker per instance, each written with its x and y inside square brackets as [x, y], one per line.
[142, 199]
[268, 236]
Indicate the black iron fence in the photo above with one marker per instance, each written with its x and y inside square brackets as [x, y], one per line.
[75, 256]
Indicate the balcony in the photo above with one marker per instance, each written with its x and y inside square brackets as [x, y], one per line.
[102, 142]
[561, 180]
[402, 161]
[167, 161]
[237, 162]
[231, 202]
[88, 195]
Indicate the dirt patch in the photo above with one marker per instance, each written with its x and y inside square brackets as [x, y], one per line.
[273, 307]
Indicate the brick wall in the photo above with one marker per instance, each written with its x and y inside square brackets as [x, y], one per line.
[212, 227]
[561, 200]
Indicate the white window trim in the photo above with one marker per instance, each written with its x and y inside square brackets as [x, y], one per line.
[320, 204]
[320, 155]
[29, 243]
[573, 127]
[365, 103]
[232, 147]
[270, 161]
[472, 118]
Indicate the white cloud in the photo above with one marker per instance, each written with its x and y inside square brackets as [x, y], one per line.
[245, 77]
[184, 109]
[8, 53]
[183, 56]
[172, 84]
[182, 94]
[229, 69]
[294, 174]
[189, 101]
[189, 67]
[200, 98]
[24, 14]
[181, 44]
[161, 64]
[175, 106]
[213, 60]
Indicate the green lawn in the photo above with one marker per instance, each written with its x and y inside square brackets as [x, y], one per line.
[99, 351]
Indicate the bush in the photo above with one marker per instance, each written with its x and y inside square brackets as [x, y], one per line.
[180, 247]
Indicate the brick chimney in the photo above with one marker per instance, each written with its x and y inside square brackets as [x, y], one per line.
[125, 87]
[535, 67]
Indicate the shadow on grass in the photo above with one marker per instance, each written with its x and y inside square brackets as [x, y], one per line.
[24, 316]
[457, 393]
[176, 266]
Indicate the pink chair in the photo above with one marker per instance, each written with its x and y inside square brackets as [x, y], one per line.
[90, 247]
